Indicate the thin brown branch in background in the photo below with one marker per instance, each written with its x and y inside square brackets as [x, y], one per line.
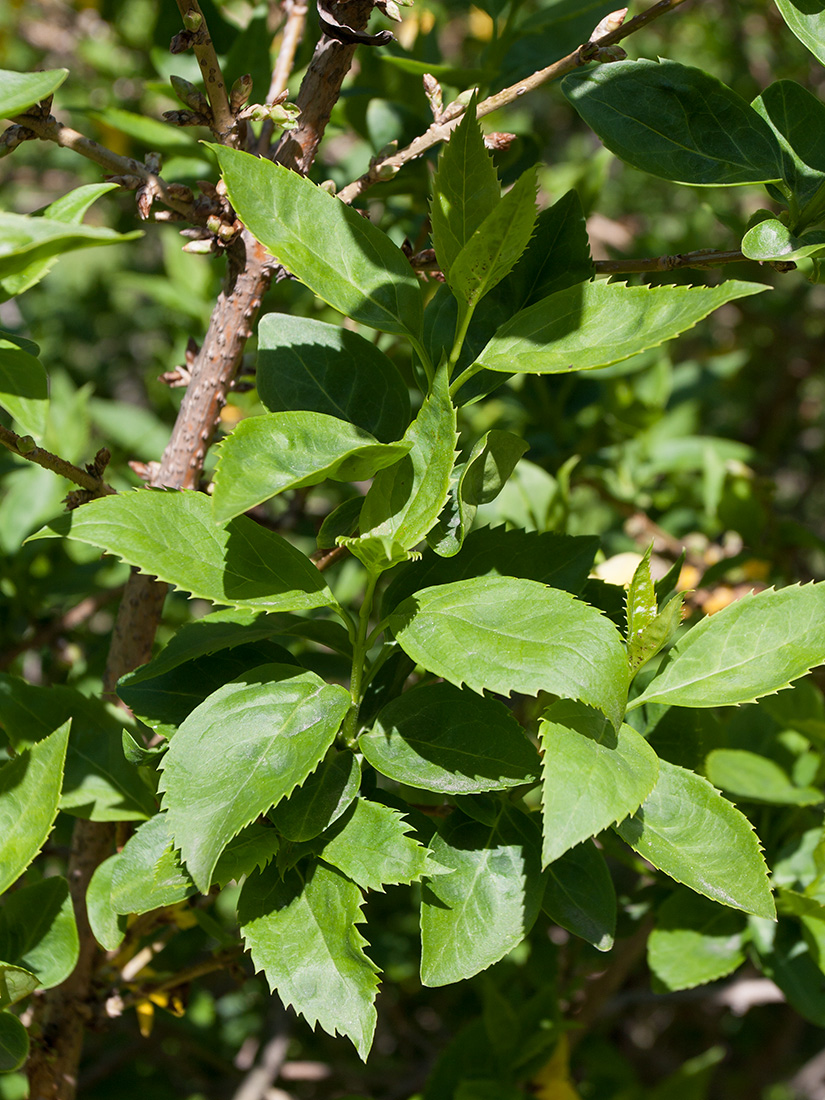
[89, 480]
[223, 121]
[382, 168]
[63, 624]
[296, 16]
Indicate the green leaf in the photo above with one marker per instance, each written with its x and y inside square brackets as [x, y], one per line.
[689, 831]
[38, 930]
[580, 895]
[753, 647]
[14, 1043]
[498, 243]
[29, 793]
[25, 240]
[16, 984]
[320, 800]
[68, 209]
[148, 872]
[163, 702]
[593, 776]
[797, 118]
[251, 850]
[655, 636]
[23, 386]
[594, 324]
[473, 917]
[108, 926]
[98, 784]
[546, 641]
[560, 561]
[342, 522]
[755, 778]
[771, 240]
[215, 782]
[341, 256]
[370, 845]
[19, 91]
[641, 602]
[465, 189]
[172, 536]
[309, 365]
[405, 500]
[265, 455]
[301, 932]
[695, 941]
[441, 738]
[478, 481]
[806, 18]
[676, 122]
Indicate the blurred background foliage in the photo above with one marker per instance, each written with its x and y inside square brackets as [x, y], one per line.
[715, 442]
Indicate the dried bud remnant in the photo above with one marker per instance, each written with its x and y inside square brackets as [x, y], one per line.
[498, 141]
[610, 23]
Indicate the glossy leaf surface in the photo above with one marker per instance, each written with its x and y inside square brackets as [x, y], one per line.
[305, 364]
[595, 324]
[474, 916]
[265, 455]
[370, 844]
[593, 776]
[172, 536]
[240, 752]
[797, 118]
[546, 641]
[301, 932]
[771, 240]
[340, 256]
[675, 121]
[441, 738]
[753, 647]
[693, 834]
[29, 793]
[806, 18]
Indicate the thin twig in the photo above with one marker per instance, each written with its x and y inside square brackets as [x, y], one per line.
[383, 168]
[25, 447]
[183, 977]
[223, 121]
[296, 15]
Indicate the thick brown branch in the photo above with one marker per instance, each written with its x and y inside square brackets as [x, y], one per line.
[383, 168]
[25, 447]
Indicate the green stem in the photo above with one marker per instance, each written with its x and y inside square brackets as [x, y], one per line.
[359, 657]
[465, 376]
[426, 362]
[462, 324]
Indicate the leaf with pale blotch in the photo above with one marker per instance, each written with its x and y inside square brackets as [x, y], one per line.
[250, 744]
[19, 91]
[677, 122]
[496, 246]
[465, 189]
[593, 776]
[580, 895]
[772, 240]
[340, 255]
[301, 932]
[405, 500]
[29, 794]
[38, 931]
[753, 647]
[266, 455]
[595, 324]
[485, 907]
[688, 830]
[370, 844]
[654, 637]
[477, 481]
[641, 600]
[172, 536]
[148, 873]
[695, 941]
[441, 738]
[504, 634]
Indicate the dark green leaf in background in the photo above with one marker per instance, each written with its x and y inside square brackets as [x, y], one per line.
[676, 121]
[309, 365]
[441, 738]
[320, 800]
[14, 1043]
[23, 386]
[695, 941]
[38, 930]
[580, 895]
[797, 118]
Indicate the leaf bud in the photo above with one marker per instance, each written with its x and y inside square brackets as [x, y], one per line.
[329, 187]
[188, 94]
[214, 223]
[607, 54]
[387, 171]
[181, 42]
[240, 92]
[25, 445]
[200, 247]
[610, 23]
[192, 20]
